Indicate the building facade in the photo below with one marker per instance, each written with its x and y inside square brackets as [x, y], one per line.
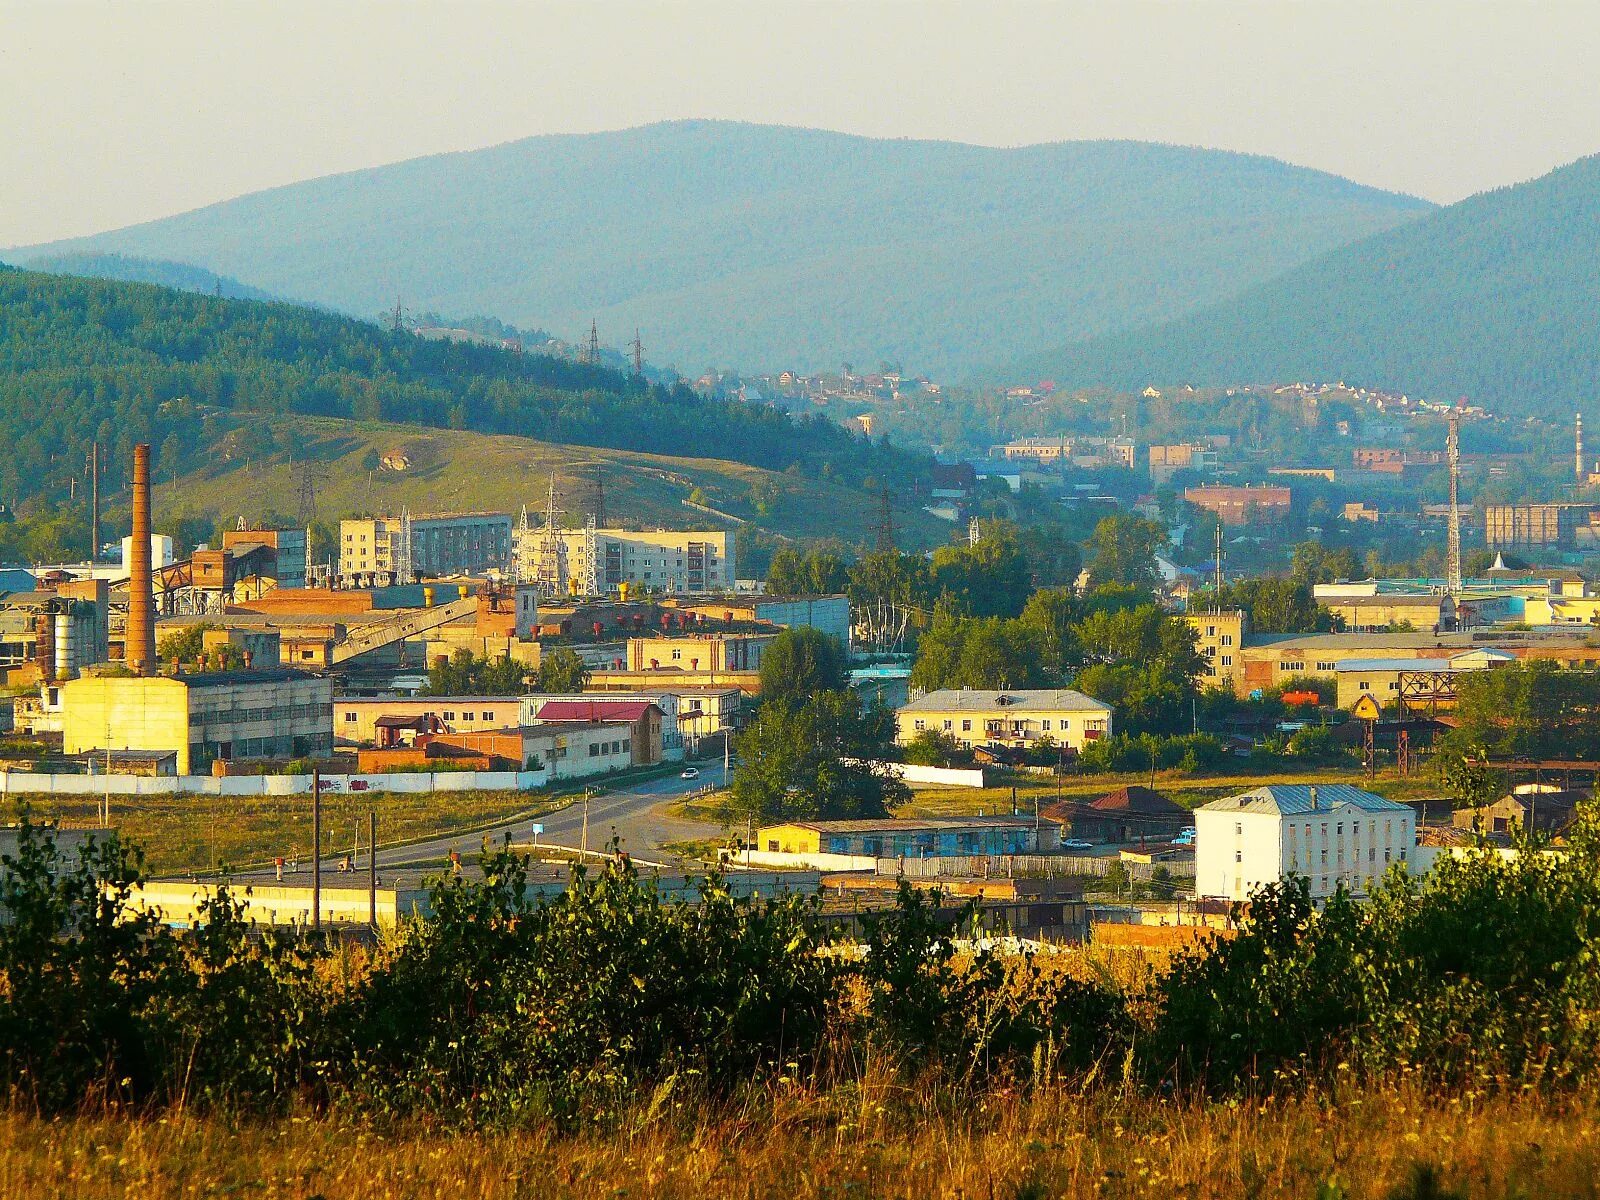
[682, 563]
[1242, 505]
[288, 548]
[203, 718]
[1330, 834]
[1021, 718]
[1219, 637]
[934, 837]
[441, 544]
[355, 718]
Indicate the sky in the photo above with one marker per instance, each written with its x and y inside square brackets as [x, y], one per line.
[119, 111]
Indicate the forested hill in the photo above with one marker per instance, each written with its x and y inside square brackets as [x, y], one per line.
[82, 359]
[756, 246]
[148, 270]
[1495, 298]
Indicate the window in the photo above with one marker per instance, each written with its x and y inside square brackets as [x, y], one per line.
[1227, 660]
[1238, 829]
[919, 725]
[1211, 631]
[488, 716]
[1045, 724]
[1365, 686]
[1227, 639]
[966, 727]
[467, 716]
[349, 718]
[949, 724]
[1238, 856]
[449, 716]
[594, 749]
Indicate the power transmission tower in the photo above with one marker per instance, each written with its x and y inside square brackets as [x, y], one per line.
[397, 319]
[309, 476]
[1453, 554]
[591, 352]
[597, 505]
[552, 569]
[885, 521]
[638, 355]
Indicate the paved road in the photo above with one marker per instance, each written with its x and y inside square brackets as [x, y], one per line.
[637, 815]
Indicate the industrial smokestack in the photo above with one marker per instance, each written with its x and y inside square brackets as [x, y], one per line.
[140, 652]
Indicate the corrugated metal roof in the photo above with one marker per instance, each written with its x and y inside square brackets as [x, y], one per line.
[593, 710]
[1298, 799]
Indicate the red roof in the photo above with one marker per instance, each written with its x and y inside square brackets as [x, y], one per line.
[593, 710]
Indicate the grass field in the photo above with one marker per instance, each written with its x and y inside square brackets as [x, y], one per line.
[1188, 790]
[876, 1136]
[453, 470]
[199, 833]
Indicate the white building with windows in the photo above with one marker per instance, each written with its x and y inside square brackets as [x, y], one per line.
[1331, 834]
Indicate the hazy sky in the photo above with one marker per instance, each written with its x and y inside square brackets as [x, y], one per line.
[115, 111]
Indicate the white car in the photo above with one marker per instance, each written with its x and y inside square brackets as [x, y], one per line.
[1076, 844]
[690, 773]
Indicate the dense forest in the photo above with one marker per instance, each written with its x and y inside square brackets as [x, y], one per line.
[85, 359]
[760, 247]
[1493, 298]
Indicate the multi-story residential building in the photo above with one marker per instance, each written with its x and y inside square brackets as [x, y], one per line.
[1167, 461]
[226, 715]
[1020, 718]
[1331, 834]
[441, 544]
[1266, 505]
[1219, 637]
[1086, 452]
[1513, 526]
[680, 562]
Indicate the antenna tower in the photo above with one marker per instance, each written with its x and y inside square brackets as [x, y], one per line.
[885, 521]
[397, 319]
[1453, 554]
[638, 355]
[1219, 565]
[974, 533]
[591, 352]
[591, 565]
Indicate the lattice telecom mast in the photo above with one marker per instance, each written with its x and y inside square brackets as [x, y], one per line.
[1453, 554]
[591, 564]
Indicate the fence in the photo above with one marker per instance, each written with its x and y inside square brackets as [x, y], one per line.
[949, 776]
[1005, 866]
[268, 785]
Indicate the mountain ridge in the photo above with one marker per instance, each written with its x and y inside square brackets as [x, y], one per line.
[1492, 297]
[740, 244]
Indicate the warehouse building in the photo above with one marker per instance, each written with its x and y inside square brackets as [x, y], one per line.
[204, 718]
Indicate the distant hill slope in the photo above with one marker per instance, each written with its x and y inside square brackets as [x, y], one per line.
[84, 359]
[178, 275]
[758, 246]
[1496, 297]
[251, 472]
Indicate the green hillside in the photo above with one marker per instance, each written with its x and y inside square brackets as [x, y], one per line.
[1494, 298]
[251, 473]
[84, 359]
[178, 275]
[759, 246]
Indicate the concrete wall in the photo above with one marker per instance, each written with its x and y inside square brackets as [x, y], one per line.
[947, 776]
[19, 782]
[814, 861]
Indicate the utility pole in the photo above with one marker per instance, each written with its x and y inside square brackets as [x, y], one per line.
[1453, 555]
[316, 848]
[1219, 566]
[584, 845]
[94, 502]
[372, 869]
[885, 521]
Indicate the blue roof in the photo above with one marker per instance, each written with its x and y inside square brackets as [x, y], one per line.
[1396, 664]
[1299, 799]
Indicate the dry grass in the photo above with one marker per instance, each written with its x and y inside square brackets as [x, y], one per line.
[1185, 789]
[185, 833]
[870, 1137]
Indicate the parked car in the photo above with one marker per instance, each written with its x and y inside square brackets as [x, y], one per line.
[1076, 844]
[1184, 837]
[690, 773]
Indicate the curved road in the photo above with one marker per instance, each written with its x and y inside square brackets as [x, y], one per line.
[637, 815]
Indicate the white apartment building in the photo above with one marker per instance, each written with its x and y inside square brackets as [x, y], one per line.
[1330, 834]
[680, 562]
[441, 544]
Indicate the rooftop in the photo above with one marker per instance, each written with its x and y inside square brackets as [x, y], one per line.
[1032, 700]
[1299, 799]
[894, 825]
[232, 678]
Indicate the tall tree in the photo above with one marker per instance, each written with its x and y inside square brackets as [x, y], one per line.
[1123, 550]
[801, 662]
[821, 759]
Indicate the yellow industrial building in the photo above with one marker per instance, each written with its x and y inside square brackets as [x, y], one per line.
[226, 715]
[1219, 637]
